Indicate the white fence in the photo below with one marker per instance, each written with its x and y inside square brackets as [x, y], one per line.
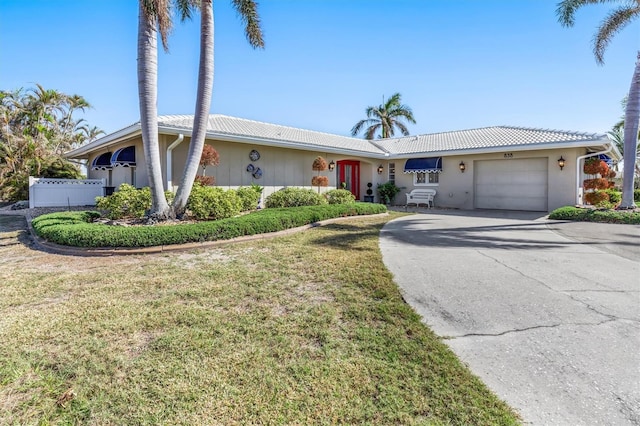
[45, 192]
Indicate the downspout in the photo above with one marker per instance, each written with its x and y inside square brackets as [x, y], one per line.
[170, 149]
[580, 158]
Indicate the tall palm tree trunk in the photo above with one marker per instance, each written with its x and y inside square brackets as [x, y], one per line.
[631, 118]
[148, 98]
[203, 105]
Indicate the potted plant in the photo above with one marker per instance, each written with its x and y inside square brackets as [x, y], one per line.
[387, 192]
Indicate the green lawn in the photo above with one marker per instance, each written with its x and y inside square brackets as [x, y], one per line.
[307, 328]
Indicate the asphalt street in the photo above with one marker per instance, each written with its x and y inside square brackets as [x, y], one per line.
[546, 313]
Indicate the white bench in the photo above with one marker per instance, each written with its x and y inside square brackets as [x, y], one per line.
[421, 196]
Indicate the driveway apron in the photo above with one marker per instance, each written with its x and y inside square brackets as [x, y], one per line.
[549, 322]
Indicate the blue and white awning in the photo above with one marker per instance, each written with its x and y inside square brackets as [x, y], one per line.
[423, 165]
[606, 159]
[102, 162]
[125, 157]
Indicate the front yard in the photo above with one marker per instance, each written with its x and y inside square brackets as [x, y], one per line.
[299, 329]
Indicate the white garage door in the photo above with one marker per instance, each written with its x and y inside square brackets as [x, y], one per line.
[511, 184]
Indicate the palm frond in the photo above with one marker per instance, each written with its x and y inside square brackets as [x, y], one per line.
[566, 10]
[158, 12]
[361, 124]
[248, 13]
[611, 25]
[371, 131]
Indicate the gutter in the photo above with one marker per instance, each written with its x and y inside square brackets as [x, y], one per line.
[578, 160]
[170, 149]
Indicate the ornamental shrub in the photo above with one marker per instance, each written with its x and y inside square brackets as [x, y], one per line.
[320, 181]
[597, 198]
[339, 196]
[597, 183]
[636, 195]
[126, 202]
[294, 197]
[387, 192]
[249, 196]
[595, 166]
[213, 203]
[319, 164]
[615, 196]
[205, 180]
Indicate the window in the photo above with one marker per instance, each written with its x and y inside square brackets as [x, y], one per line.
[392, 173]
[426, 178]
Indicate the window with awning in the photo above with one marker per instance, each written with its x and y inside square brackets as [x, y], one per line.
[102, 162]
[124, 157]
[423, 165]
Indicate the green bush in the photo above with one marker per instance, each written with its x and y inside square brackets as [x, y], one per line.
[339, 196]
[128, 202]
[615, 196]
[294, 197]
[636, 195]
[213, 203]
[593, 215]
[250, 197]
[387, 192]
[77, 229]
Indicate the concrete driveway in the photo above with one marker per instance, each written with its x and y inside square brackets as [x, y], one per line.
[549, 318]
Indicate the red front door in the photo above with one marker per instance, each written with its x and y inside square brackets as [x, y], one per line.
[349, 175]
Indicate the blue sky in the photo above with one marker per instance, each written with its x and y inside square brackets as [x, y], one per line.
[459, 64]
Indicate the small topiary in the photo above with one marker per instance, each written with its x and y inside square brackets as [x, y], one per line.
[598, 183]
[294, 197]
[320, 181]
[597, 198]
[339, 196]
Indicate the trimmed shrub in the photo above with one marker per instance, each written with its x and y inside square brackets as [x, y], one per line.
[339, 196]
[615, 196]
[126, 202]
[319, 181]
[205, 180]
[77, 229]
[596, 198]
[598, 183]
[592, 215]
[213, 203]
[294, 197]
[387, 192]
[595, 166]
[249, 196]
[319, 164]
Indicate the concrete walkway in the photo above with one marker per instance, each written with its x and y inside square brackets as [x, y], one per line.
[546, 315]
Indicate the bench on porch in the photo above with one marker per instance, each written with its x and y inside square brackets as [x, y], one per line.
[421, 196]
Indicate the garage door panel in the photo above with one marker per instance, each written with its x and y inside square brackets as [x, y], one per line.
[511, 184]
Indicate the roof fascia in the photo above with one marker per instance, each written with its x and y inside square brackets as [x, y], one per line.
[512, 148]
[112, 139]
[275, 143]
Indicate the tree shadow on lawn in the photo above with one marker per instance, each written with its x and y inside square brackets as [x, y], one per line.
[11, 224]
[348, 237]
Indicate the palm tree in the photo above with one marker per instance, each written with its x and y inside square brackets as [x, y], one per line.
[248, 13]
[625, 13]
[385, 117]
[156, 13]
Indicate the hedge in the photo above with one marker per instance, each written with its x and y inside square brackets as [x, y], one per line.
[594, 215]
[78, 229]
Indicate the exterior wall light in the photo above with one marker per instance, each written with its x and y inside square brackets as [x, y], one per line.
[561, 162]
[332, 165]
[462, 166]
[380, 169]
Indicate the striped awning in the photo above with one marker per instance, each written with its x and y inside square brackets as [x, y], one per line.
[125, 157]
[102, 162]
[423, 165]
